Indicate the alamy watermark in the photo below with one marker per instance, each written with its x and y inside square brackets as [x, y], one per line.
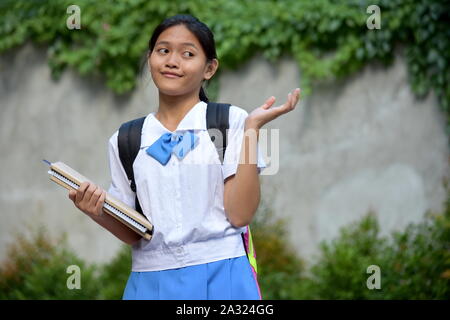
[374, 20]
[266, 143]
[74, 20]
[74, 280]
[374, 281]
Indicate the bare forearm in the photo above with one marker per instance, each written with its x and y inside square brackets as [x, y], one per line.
[245, 195]
[243, 191]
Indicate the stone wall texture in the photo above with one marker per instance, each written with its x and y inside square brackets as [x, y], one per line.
[358, 144]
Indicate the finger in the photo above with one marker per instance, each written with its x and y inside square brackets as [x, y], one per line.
[94, 197]
[72, 195]
[287, 105]
[89, 192]
[297, 96]
[294, 99]
[269, 102]
[99, 204]
[281, 109]
[81, 191]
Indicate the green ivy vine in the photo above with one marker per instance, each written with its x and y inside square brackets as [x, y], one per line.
[328, 39]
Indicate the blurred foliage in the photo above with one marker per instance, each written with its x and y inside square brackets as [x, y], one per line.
[418, 262]
[114, 275]
[279, 268]
[414, 264]
[329, 39]
[37, 268]
[340, 272]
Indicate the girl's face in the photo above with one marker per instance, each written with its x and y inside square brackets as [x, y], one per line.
[178, 63]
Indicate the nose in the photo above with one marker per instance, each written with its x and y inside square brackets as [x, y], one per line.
[172, 61]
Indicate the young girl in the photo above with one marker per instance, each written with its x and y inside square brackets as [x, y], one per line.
[199, 207]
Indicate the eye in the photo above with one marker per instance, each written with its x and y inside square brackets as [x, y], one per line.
[162, 50]
[188, 54]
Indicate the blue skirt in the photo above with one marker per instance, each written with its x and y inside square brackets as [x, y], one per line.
[228, 279]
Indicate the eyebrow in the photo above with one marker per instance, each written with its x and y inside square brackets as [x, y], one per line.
[184, 43]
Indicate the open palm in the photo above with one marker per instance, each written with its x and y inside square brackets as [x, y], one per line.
[266, 113]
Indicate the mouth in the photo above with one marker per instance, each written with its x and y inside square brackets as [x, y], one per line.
[171, 75]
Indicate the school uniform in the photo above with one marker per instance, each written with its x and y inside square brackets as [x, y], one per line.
[195, 252]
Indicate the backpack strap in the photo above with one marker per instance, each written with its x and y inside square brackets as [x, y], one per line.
[129, 143]
[217, 118]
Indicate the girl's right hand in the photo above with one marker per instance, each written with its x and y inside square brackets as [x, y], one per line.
[89, 198]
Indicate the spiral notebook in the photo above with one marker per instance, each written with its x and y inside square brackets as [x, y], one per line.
[70, 179]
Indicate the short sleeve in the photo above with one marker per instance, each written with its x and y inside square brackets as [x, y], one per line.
[235, 137]
[120, 186]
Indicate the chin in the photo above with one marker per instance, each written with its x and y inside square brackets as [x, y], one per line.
[171, 91]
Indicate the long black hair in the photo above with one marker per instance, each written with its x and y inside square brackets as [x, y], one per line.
[198, 28]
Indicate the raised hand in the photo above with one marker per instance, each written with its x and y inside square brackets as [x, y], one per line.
[265, 113]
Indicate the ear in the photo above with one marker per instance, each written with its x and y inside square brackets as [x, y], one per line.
[211, 68]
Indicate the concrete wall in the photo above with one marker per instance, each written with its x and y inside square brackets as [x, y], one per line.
[358, 144]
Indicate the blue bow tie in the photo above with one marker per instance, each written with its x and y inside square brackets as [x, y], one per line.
[168, 143]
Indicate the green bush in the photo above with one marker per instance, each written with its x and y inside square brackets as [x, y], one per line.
[340, 272]
[279, 268]
[414, 264]
[114, 275]
[37, 268]
[418, 261]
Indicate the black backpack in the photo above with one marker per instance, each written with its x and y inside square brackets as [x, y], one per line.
[129, 142]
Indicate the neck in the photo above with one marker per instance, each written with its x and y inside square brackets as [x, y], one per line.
[172, 109]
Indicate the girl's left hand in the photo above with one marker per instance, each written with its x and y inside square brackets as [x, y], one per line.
[260, 116]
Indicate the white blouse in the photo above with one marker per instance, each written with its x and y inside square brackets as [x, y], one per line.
[184, 198]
